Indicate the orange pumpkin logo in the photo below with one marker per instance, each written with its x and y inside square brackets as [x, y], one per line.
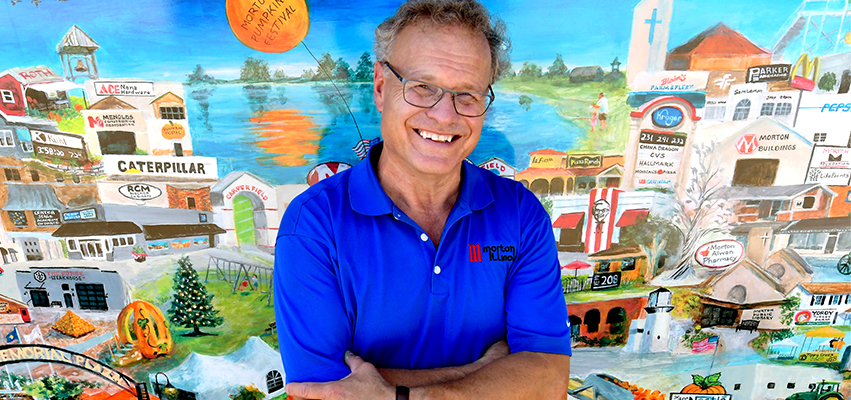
[173, 131]
[143, 324]
[275, 26]
[708, 385]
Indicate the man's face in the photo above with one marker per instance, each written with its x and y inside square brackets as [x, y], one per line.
[451, 57]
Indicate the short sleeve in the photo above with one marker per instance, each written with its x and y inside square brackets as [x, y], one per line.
[314, 330]
[536, 313]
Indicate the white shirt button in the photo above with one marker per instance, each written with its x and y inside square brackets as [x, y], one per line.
[437, 270]
[424, 237]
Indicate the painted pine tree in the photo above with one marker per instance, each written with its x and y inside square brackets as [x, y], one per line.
[191, 306]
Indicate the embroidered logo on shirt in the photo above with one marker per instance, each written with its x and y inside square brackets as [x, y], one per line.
[495, 253]
[475, 252]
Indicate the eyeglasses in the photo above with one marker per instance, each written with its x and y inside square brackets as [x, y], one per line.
[426, 95]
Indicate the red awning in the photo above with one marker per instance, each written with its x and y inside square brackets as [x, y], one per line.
[568, 221]
[630, 217]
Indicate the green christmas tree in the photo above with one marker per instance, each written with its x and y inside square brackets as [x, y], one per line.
[191, 306]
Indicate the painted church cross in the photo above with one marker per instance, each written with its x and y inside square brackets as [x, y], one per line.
[652, 21]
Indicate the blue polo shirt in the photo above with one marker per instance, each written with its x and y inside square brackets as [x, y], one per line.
[353, 272]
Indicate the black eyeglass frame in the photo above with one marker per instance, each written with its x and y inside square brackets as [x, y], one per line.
[454, 93]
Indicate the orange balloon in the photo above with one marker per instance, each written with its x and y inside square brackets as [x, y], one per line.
[270, 26]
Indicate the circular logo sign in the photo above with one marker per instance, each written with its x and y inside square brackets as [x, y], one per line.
[667, 117]
[803, 316]
[40, 276]
[719, 254]
[325, 170]
[140, 191]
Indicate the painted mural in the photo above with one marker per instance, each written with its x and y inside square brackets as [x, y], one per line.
[695, 159]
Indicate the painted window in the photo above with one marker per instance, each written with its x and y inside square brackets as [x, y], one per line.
[6, 139]
[715, 112]
[172, 113]
[835, 300]
[783, 109]
[274, 382]
[628, 264]
[767, 109]
[12, 174]
[202, 217]
[72, 244]
[115, 241]
[743, 109]
[8, 96]
[819, 137]
[34, 175]
[771, 385]
[808, 202]
[592, 320]
[190, 202]
[737, 386]
[130, 241]
[818, 300]
[738, 294]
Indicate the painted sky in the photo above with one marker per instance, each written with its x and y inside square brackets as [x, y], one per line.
[161, 39]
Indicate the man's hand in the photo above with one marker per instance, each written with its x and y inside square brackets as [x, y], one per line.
[363, 383]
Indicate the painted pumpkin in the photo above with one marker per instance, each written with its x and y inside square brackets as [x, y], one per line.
[272, 28]
[708, 385]
[143, 324]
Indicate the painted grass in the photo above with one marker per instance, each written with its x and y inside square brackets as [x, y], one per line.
[574, 100]
[245, 314]
[610, 294]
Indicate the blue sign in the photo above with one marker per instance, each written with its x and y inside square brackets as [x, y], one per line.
[667, 117]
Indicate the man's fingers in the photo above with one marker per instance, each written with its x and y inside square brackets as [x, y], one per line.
[352, 360]
[306, 390]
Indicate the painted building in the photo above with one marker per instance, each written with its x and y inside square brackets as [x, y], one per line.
[76, 288]
[13, 312]
[779, 203]
[823, 303]
[764, 152]
[604, 319]
[44, 89]
[552, 172]
[651, 333]
[769, 381]
[753, 290]
[111, 231]
[162, 130]
[247, 207]
[630, 262]
[717, 48]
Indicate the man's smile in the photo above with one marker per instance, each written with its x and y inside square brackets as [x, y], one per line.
[435, 137]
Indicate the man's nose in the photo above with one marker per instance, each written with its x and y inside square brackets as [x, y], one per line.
[444, 109]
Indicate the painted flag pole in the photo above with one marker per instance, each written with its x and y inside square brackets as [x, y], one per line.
[714, 352]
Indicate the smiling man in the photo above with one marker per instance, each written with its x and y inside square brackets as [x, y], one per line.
[415, 274]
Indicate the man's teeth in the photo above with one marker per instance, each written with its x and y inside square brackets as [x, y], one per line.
[435, 137]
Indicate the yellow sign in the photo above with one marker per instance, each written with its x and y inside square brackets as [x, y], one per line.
[810, 73]
[173, 131]
[43, 353]
[819, 357]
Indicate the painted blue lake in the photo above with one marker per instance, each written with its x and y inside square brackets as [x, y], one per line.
[279, 132]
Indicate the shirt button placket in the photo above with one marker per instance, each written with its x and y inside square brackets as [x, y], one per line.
[437, 270]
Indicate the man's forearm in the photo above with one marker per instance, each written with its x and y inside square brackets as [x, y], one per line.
[523, 375]
[426, 377]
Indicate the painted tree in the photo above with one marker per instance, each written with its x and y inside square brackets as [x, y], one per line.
[191, 305]
[342, 71]
[525, 102]
[363, 72]
[655, 236]
[699, 210]
[827, 81]
[326, 69]
[254, 70]
[58, 388]
[279, 75]
[530, 69]
[199, 76]
[558, 68]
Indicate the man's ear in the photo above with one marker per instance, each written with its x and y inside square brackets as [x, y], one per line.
[378, 83]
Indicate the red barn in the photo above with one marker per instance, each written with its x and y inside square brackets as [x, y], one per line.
[12, 101]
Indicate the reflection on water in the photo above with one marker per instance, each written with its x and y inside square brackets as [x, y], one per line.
[287, 136]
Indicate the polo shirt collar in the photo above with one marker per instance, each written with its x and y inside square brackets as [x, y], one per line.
[368, 197]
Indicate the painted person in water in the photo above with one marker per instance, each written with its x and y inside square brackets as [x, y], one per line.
[415, 274]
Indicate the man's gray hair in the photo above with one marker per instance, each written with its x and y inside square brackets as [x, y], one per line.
[466, 13]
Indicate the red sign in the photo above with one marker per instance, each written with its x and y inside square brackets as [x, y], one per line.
[325, 170]
[747, 144]
[803, 83]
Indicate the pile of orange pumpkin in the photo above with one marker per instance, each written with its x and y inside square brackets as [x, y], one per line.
[640, 393]
[72, 325]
